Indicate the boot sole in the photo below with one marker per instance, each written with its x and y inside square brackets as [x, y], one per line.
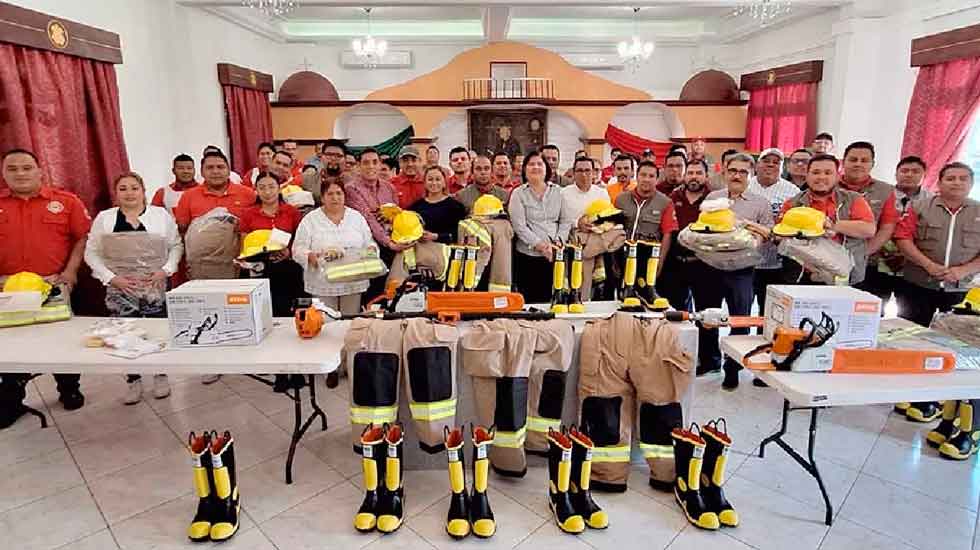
[554, 514]
[688, 516]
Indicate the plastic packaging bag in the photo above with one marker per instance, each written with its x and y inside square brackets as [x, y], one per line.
[827, 261]
[740, 239]
[357, 264]
[211, 245]
[730, 260]
[135, 255]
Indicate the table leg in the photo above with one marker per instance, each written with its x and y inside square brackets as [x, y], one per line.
[299, 426]
[778, 435]
[39, 414]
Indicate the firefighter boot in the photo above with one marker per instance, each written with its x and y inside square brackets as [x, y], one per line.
[716, 445]
[391, 506]
[926, 411]
[200, 449]
[481, 516]
[901, 407]
[458, 519]
[964, 444]
[455, 276]
[688, 454]
[575, 305]
[469, 268]
[560, 473]
[559, 300]
[228, 503]
[647, 285]
[373, 464]
[947, 428]
[630, 299]
[595, 517]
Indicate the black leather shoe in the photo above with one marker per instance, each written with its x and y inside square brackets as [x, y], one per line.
[731, 379]
[757, 382]
[333, 379]
[703, 370]
[72, 400]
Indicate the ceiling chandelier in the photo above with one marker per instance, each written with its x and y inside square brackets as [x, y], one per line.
[633, 53]
[271, 8]
[765, 11]
[369, 49]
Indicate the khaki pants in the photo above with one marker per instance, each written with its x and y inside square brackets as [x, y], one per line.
[549, 368]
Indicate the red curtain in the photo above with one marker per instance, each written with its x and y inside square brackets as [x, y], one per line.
[781, 116]
[945, 98]
[66, 110]
[634, 144]
[249, 124]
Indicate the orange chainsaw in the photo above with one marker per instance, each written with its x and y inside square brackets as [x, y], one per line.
[413, 297]
[788, 343]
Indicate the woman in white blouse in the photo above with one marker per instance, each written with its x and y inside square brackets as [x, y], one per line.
[322, 237]
[133, 249]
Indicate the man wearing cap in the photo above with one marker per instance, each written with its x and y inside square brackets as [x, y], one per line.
[483, 183]
[737, 286]
[859, 159]
[44, 232]
[408, 184]
[768, 184]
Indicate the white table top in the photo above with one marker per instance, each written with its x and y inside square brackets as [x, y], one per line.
[59, 347]
[829, 390]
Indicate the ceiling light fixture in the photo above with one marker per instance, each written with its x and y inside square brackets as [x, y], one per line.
[764, 11]
[636, 51]
[369, 49]
[271, 8]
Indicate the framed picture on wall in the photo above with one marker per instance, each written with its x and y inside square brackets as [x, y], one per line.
[510, 131]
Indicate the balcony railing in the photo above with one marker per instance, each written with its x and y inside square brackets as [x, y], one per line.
[484, 89]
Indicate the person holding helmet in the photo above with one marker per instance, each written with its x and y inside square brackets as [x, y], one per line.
[485, 181]
[769, 185]
[440, 212]
[44, 231]
[600, 234]
[133, 249]
[420, 255]
[490, 229]
[266, 255]
[575, 198]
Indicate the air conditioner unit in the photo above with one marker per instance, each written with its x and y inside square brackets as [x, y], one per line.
[595, 61]
[395, 59]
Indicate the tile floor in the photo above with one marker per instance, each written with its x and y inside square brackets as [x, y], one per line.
[110, 476]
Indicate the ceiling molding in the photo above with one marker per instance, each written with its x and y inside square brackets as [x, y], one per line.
[263, 29]
[751, 28]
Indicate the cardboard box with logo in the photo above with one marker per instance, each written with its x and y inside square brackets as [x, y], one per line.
[856, 313]
[219, 312]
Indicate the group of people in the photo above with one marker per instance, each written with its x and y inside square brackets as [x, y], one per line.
[923, 248]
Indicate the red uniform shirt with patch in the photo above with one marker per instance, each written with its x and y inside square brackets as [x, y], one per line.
[860, 209]
[889, 210]
[408, 189]
[454, 185]
[287, 219]
[39, 233]
[200, 200]
[687, 212]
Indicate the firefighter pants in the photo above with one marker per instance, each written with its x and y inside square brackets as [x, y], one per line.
[633, 371]
[378, 352]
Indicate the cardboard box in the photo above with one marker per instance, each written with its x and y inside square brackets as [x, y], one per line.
[857, 314]
[219, 312]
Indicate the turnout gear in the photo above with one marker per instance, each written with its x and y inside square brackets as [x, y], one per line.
[964, 444]
[646, 285]
[373, 453]
[406, 227]
[469, 512]
[623, 360]
[211, 244]
[802, 222]
[631, 301]
[458, 254]
[715, 221]
[559, 480]
[574, 250]
[391, 504]
[458, 519]
[469, 269]
[948, 426]
[688, 456]
[857, 248]
[559, 296]
[553, 348]
[494, 237]
[200, 449]
[428, 257]
[923, 412]
[582, 502]
[826, 260]
[227, 501]
[596, 247]
[378, 351]
[481, 516]
[717, 444]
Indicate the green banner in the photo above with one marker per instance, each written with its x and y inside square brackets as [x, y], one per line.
[391, 146]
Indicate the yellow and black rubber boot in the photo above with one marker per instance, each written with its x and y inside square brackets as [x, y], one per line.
[574, 253]
[373, 465]
[948, 427]
[646, 286]
[481, 516]
[630, 300]
[688, 454]
[964, 444]
[458, 519]
[200, 449]
[901, 407]
[594, 516]
[455, 275]
[469, 268]
[559, 300]
[717, 442]
[925, 411]
[560, 474]
[227, 500]
[391, 508]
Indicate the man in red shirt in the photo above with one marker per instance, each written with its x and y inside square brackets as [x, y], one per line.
[849, 216]
[607, 172]
[216, 192]
[43, 230]
[501, 174]
[184, 178]
[674, 166]
[408, 184]
[281, 166]
[859, 159]
[296, 165]
[459, 161]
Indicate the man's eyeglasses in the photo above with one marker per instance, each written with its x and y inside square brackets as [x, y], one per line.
[800, 162]
[583, 170]
[738, 172]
